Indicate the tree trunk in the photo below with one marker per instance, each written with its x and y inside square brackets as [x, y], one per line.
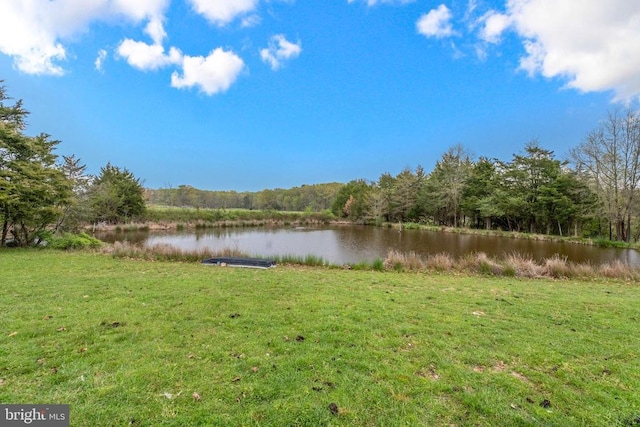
[610, 230]
[5, 230]
[620, 230]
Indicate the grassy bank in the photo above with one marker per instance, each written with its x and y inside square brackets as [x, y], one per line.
[129, 342]
[176, 217]
[512, 265]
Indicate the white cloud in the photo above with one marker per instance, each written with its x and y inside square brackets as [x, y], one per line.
[137, 10]
[250, 21]
[376, 2]
[102, 55]
[595, 46]
[436, 23]
[222, 12]
[279, 50]
[33, 31]
[155, 30]
[493, 26]
[213, 74]
[145, 57]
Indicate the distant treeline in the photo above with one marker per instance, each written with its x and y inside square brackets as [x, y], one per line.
[595, 192]
[310, 198]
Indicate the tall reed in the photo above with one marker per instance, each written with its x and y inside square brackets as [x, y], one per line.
[511, 265]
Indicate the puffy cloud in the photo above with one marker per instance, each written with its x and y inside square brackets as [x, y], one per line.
[155, 30]
[145, 57]
[279, 50]
[213, 74]
[493, 25]
[221, 12]
[137, 10]
[595, 45]
[436, 23]
[33, 31]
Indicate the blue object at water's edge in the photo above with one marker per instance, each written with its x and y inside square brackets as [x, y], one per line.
[241, 262]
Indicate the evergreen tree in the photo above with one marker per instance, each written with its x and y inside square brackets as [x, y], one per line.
[116, 195]
[33, 190]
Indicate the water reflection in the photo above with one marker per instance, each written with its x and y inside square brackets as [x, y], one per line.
[352, 244]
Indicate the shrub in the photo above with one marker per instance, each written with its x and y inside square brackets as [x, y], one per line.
[410, 226]
[74, 241]
[557, 267]
[378, 264]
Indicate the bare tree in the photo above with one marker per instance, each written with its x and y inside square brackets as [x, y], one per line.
[609, 158]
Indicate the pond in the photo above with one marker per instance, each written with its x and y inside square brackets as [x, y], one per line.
[353, 244]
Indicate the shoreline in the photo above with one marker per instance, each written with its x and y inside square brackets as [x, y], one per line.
[307, 221]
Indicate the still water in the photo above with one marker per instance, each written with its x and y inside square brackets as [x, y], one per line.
[352, 244]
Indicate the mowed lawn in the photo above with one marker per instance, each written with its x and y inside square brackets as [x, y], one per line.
[142, 343]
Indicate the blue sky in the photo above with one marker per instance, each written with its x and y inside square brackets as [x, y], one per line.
[253, 94]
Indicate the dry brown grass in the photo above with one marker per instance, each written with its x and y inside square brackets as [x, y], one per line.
[618, 270]
[164, 252]
[558, 267]
[512, 265]
[479, 262]
[523, 266]
[396, 260]
[440, 262]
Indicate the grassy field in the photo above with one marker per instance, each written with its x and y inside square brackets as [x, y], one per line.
[203, 217]
[145, 343]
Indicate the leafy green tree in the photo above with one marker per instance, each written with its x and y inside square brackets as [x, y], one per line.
[404, 196]
[479, 193]
[116, 195]
[540, 194]
[446, 183]
[566, 202]
[33, 190]
[526, 179]
[352, 200]
[77, 211]
[376, 207]
[386, 186]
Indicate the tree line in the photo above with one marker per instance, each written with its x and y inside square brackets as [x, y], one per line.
[41, 194]
[312, 198]
[593, 193]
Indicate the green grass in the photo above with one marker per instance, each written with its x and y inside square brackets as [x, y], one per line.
[127, 342]
[203, 218]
